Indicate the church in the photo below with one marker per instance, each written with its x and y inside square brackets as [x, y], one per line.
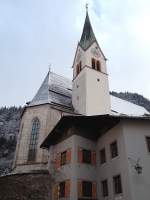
[94, 145]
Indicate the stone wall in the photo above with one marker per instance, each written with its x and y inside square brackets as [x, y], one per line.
[29, 186]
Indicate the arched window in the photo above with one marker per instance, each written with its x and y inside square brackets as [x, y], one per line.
[98, 65]
[93, 63]
[79, 67]
[34, 140]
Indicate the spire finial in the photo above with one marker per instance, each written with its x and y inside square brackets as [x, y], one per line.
[50, 67]
[87, 7]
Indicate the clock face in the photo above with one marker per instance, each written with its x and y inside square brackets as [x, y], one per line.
[95, 52]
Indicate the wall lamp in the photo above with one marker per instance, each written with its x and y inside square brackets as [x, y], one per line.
[136, 165]
[138, 168]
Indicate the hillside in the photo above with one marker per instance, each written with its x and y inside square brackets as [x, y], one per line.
[9, 128]
[10, 120]
[134, 98]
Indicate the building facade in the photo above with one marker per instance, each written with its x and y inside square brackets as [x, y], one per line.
[107, 159]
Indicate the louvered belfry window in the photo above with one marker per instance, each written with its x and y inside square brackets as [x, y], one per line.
[34, 140]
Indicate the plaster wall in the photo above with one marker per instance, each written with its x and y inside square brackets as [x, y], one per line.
[130, 136]
[97, 96]
[91, 93]
[113, 166]
[86, 56]
[136, 148]
[99, 56]
[74, 170]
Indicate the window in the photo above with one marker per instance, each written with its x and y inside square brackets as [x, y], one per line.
[87, 157]
[117, 184]
[114, 149]
[148, 143]
[62, 189]
[79, 67]
[104, 188]
[93, 63]
[98, 66]
[34, 140]
[87, 189]
[102, 156]
[63, 158]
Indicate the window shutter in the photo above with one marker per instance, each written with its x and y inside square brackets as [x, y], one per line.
[94, 190]
[79, 189]
[93, 158]
[80, 155]
[58, 161]
[68, 155]
[67, 188]
[55, 191]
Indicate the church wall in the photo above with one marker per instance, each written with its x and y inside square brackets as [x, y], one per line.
[86, 56]
[113, 166]
[90, 87]
[48, 118]
[24, 136]
[91, 93]
[90, 53]
[97, 95]
[79, 93]
[135, 132]
[80, 56]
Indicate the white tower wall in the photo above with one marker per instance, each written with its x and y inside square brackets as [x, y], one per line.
[90, 94]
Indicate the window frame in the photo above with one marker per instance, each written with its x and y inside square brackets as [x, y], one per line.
[93, 63]
[114, 153]
[98, 65]
[63, 156]
[78, 68]
[148, 143]
[102, 157]
[33, 140]
[86, 189]
[84, 156]
[104, 188]
[117, 189]
[62, 189]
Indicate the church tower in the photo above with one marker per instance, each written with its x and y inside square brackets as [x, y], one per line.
[90, 94]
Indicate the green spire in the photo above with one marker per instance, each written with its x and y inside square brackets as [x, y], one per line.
[88, 36]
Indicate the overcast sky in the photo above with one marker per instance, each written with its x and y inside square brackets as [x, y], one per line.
[34, 33]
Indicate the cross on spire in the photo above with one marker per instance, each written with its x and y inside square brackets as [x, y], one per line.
[50, 67]
[87, 6]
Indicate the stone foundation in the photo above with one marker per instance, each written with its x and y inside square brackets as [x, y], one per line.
[27, 186]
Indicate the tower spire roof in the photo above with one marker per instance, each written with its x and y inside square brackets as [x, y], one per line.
[88, 36]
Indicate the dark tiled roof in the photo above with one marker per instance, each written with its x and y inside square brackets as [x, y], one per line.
[88, 36]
